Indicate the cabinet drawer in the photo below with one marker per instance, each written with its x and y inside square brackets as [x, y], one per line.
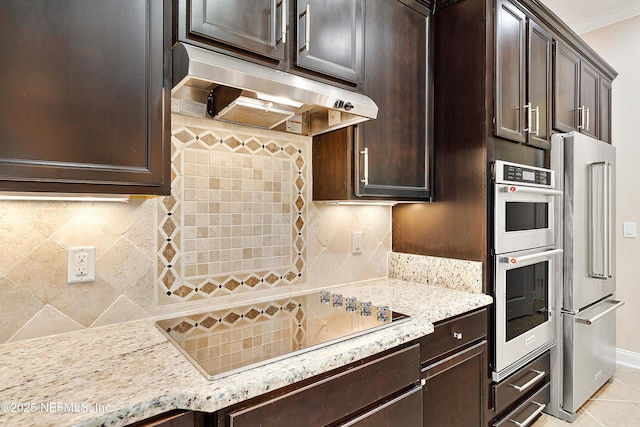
[404, 410]
[332, 398]
[453, 334]
[527, 379]
[526, 412]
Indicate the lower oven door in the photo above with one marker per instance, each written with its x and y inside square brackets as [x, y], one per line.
[589, 351]
[524, 291]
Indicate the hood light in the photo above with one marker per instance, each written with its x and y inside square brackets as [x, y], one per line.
[279, 100]
[65, 197]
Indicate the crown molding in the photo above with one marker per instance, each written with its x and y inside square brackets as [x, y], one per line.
[607, 18]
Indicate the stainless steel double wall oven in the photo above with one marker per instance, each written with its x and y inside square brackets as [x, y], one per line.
[526, 262]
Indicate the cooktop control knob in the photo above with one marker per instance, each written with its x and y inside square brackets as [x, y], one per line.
[351, 304]
[337, 300]
[366, 309]
[325, 297]
[348, 106]
[383, 313]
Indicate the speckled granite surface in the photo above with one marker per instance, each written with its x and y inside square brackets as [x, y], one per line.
[119, 374]
[449, 273]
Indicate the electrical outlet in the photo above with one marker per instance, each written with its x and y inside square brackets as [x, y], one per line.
[81, 264]
[356, 242]
[629, 230]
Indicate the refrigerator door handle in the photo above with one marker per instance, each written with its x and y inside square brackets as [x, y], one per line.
[600, 217]
[617, 304]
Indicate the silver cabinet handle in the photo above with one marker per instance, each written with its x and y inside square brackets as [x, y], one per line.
[600, 219]
[581, 117]
[587, 121]
[537, 131]
[457, 335]
[283, 25]
[517, 260]
[528, 107]
[365, 178]
[588, 322]
[534, 380]
[307, 28]
[531, 417]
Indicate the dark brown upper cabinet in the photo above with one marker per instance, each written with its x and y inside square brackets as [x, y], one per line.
[604, 110]
[325, 38]
[588, 106]
[259, 26]
[394, 153]
[388, 158]
[523, 78]
[86, 101]
[582, 95]
[331, 37]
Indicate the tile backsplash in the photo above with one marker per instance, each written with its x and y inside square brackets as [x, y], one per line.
[239, 220]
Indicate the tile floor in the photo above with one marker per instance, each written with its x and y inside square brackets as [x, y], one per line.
[616, 404]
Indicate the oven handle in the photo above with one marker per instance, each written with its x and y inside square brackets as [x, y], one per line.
[617, 304]
[519, 189]
[517, 260]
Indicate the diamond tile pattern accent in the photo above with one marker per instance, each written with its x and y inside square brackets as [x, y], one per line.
[142, 272]
[237, 217]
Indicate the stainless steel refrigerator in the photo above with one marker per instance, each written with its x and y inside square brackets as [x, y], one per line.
[585, 357]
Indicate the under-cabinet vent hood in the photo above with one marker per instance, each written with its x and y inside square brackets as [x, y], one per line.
[210, 84]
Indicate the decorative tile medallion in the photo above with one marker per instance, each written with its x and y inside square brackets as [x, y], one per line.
[237, 216]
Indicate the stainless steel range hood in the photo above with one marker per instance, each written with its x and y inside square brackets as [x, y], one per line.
[207, 83]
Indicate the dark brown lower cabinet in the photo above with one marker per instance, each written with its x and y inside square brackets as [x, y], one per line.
[383, 391]
[455, 372]
[174, 419]
[452, 394]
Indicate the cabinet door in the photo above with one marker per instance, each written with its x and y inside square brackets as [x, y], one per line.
[397, 157]
[510, 72]
[539, 66]
[258, 26]
[565, 88]
[86, 102]
[588, 109]
[331, 37]
[604, 110]
[452, 395]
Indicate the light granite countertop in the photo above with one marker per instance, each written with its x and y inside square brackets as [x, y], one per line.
[116, 375]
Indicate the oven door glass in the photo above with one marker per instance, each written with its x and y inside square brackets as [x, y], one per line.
[527, 298]
[522, 216]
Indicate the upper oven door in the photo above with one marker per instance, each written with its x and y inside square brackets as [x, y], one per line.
[524, 217]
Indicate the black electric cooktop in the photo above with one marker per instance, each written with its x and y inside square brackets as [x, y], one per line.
[224, 342]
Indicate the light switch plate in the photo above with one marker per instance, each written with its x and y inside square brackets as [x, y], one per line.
[629, 230]
[81, 264]
[356, 242]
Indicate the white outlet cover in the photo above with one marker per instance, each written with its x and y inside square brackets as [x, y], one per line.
[356, 242]
[629, 230]
[72, 268]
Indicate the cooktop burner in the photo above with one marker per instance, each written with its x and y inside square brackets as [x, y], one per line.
[221, 343]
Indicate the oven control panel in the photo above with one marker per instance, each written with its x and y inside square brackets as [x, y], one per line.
[514, 173]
